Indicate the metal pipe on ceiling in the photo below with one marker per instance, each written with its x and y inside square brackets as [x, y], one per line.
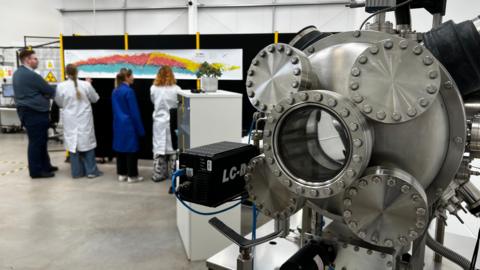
[207, 6]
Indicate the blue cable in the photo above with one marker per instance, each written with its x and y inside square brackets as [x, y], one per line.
[250, 131]
[254, 222]
[182, 172]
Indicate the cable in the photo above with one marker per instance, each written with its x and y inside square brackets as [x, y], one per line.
[447, 253]
[254, 221]
[173, 188]
[251, 130]
[383, 11]
[475, 253]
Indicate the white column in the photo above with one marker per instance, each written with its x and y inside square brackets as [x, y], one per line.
[192, 16]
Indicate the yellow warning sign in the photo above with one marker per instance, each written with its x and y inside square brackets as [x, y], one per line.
[50, 64]
[50, 77]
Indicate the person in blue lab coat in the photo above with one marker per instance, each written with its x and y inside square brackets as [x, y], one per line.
[127, 127]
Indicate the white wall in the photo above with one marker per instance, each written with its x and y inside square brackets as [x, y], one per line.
[28, 17]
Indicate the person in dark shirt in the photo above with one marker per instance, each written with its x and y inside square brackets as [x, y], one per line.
[32, 96]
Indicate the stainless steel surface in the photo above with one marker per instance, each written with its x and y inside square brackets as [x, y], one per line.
[476, 22]
[391, 84]
[439, 236]
[283, 248]
[475, 134]
[278, 71]
[472, 107]
[386, 207]
[437, 19]
[271, 199]
[351, 121]
[353, 257]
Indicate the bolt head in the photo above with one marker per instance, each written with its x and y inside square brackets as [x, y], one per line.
[345, 113]
[367, 108]
[421, 211]
[391, 182]
[297, 72]
[294, 60]
[249, 83]
[289, 52]
[420, 224]
[388, 243]
[351, 173]
[347, 214]
[415, 197]
[458, 140]
[405, 189]
[396, 116]
[290, 100]
[347, 202]
[363, 59]
[431, 89]
[279, 108]
[352, 225]
[255, 62]
[295, 84]
[428, 60]
[311, 49]
[381, 115]
[332, 102]
[314, 193]
[263, 53]
[287, 183]
[317, 97]
[403, 44]
[251, 72]
[280, 47]
[357, 33]
[270, 160]
[250, 93]
[376, 179]
[418, 50]
[271, 48]
[300, 190]
[352, 192]
[267, 133]
[357, 158]
[303, 96]
[374, 50]
[356, 72]
[433, 74]
[423, 102]
[448, 85]
[413, 234]
[266, 146]
[357, 143]
[353, 126]
[354, 86]
[357, 98]
[362, 183]
[411, 112]
[388, 44]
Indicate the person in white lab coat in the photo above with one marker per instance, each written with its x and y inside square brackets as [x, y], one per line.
[164, 97]
[75, 97]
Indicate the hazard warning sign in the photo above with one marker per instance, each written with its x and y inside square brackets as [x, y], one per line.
[50, 77]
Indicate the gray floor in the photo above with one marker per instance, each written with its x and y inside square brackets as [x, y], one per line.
[61, 223]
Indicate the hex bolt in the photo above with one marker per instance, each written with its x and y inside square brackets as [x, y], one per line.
[367, 108]
[357, 143]
[357, 158]
[345, 113]
[266, 146]
[303, 96]
[251, 72]
[413, 234]
[317, 97]
[351, 173]
[332, 102]
[396, 116]
[391, 182]
[362, 183]
[373, 50]
[256, 102]
[250, 93]
[263, 107]
[270, 160]
[402, 239]
[433, 74]
[294, 60]
[290, 100]
[327, 191]
[314, 193]
[271, 49]
[356, 249]
[374, 238]
[280, 47]
[448, 85]
[347, 202]
[431, 89]
[341, 184]
[357, 34]
[295, 84]
[347, 214]
[255, 62]
[354, 86]
[411, 112]
[377, 179]
[267, 133]
[297, 72]
[289, 52]
[420, 224]
[369, 252]
[287, 183]
[423, 102]
[311, 49]
[279, 108]
[352, 192]
[381, 115]
[418, 50]
[403, 44]
[428, 60]
[405, 189]
[389, 264]
[388, 44]
[249, 83]
[363, 59]
[247, 176]
[458, 140]
[353, 126]
[415, 197]
[421, 211]
[263, 53]
[300, 190]
[356, 71]
[357, 98]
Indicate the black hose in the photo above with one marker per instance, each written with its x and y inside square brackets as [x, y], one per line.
[447, 253]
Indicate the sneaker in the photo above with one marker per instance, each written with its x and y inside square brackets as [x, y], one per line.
[96, 175]
[122, 178]
[135, 179]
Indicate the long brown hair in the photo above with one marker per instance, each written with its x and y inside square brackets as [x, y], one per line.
[122, 76]
[72, 73]
[165, 77]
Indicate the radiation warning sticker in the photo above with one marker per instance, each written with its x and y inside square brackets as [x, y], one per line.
[49, 64]
[50, 77]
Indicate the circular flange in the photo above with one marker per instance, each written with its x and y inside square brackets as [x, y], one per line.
[397, 79]
[358, 141]
[386, 207]
[270, 197]
[276, 72]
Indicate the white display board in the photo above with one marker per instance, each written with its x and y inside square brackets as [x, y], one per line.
[146, 63]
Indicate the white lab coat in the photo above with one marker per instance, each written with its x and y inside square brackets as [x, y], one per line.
[78, 129]
[163, 98]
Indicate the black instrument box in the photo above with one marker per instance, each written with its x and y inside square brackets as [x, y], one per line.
[214, 172]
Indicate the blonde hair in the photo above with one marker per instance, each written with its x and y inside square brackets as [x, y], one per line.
[165, 77]
[72, 73]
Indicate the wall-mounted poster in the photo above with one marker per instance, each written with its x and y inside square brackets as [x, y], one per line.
[145, 63]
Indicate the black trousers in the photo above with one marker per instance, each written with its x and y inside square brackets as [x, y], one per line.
[37, 124]
[127, 164]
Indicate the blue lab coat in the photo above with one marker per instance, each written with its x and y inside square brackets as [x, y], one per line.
[127, 123]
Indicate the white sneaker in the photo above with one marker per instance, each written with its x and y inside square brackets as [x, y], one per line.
[122, 178]
[135, 179]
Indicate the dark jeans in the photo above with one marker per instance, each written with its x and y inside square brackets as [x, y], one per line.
[84, 164]
[127, 164]
[37, 124]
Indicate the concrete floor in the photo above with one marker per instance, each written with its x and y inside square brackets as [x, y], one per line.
[61, 223]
